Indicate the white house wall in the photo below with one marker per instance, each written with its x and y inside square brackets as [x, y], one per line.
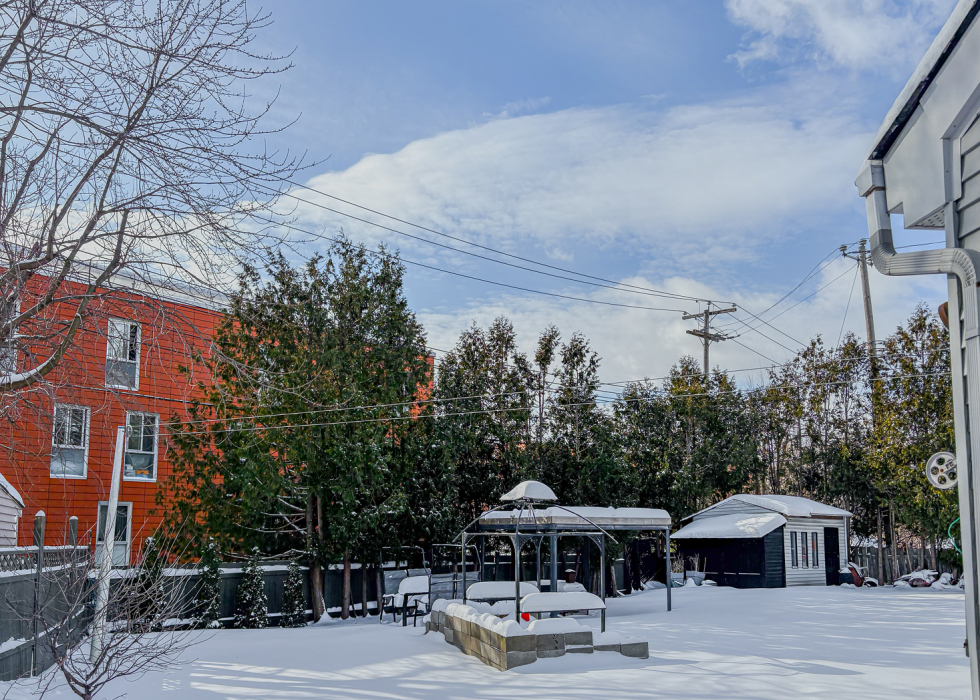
[9, 512]
[810, 576]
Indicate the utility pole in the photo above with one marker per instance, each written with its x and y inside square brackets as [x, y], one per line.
[869, 317]
[869, 323]
[705, 334]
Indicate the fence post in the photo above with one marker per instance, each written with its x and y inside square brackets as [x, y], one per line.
[38, 570]
[73, 533]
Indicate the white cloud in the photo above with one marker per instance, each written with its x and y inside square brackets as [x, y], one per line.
[712, 182]
[634, 344]
[887, 36]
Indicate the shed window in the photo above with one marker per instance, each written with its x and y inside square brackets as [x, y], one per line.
[792, 546]
[141, 446]
[803, 550]
[69, 441]
[814, 559]
[122, 363]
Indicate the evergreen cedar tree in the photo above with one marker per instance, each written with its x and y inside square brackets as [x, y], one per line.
[251, 605]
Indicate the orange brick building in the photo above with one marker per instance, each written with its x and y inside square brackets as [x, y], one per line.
[130, 365]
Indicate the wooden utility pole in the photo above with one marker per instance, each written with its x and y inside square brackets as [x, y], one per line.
[705, 334]
[869, 324]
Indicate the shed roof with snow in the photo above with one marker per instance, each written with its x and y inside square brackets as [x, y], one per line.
[788, 506]
[735, 526]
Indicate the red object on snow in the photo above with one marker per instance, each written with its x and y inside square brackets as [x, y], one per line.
[858, 581]
[526, 617]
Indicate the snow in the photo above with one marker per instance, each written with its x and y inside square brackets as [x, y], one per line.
[556, 602]
[565, 587]
[738, 525]
[580, 515]
[555, 625]
[757, 644]
[486, 590]
[532, 490]
[790, 506]
[414, 585]
[12, 492]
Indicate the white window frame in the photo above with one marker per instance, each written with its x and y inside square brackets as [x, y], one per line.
[87, 439]
[156, 448]
[129, 530]
[10, 348]
[139, 352]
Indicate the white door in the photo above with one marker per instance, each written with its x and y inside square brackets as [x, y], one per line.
[120, 548]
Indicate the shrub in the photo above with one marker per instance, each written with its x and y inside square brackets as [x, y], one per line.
[252, 605]
[293, 600]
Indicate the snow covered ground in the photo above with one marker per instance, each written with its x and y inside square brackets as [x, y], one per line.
[717, 643]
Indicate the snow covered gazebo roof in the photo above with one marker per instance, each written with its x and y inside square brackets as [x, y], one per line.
[569, 519]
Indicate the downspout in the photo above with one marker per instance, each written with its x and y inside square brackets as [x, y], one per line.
[964, 265]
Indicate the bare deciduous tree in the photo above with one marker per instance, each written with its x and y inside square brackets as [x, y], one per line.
[127, 148]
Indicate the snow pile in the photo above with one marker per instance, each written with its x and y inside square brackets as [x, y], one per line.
[560, 602]
[555, 625]
[487, 620]
[607, 637]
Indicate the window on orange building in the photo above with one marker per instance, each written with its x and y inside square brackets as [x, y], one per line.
[9, 309]
[141, 446]
[122, 363]
[69, 442]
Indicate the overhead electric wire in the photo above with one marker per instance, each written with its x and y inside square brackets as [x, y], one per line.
[848, 307]
[646, 290]
[322, 236]
[567, 405]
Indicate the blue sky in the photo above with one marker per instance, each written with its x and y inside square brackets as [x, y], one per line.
[704, 148]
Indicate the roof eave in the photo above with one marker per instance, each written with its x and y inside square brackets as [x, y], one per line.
[930, 66]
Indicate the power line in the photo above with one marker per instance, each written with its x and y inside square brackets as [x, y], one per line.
[667, 394]
[646, 290]
[847, 308]
[321, 236]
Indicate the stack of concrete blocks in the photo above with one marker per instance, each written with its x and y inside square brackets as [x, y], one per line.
[505, 645]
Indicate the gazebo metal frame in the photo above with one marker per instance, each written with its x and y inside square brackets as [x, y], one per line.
[536, 532]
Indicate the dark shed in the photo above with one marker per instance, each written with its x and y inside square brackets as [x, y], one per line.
[741, 551]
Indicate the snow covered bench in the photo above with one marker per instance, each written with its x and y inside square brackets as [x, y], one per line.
[411, 591]
[492, 591]
[563, 602]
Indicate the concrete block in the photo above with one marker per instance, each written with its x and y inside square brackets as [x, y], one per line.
[583, 649]
[520, 658]
[449, 634]
[524, 642]
[554, 654]
[549, 642]
[485, 635]
[637, 650]
[607, 647]
[578, 638]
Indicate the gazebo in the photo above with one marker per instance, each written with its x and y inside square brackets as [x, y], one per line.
[534, 516]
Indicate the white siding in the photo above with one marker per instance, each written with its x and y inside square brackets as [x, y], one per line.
[9, 512]
[810, 576]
